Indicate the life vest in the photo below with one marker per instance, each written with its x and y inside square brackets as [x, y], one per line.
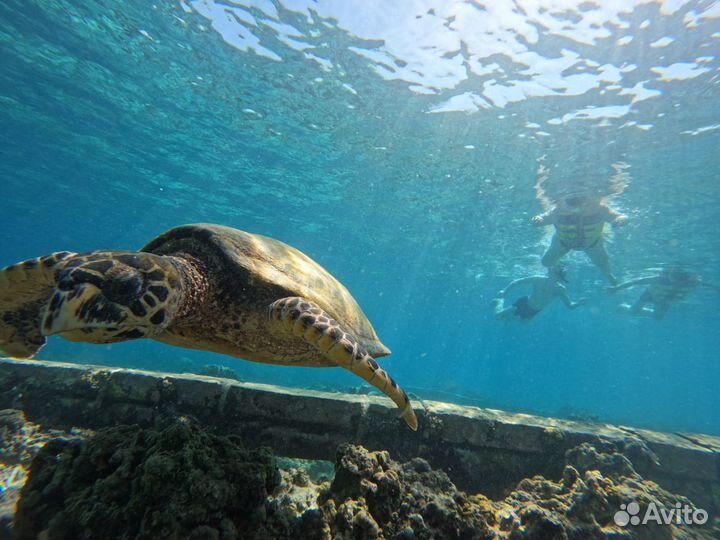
[579, 231]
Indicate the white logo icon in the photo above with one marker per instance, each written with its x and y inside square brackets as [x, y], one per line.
[629, 514]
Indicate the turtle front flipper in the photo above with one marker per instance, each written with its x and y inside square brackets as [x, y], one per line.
[25, 289]
[306, 320]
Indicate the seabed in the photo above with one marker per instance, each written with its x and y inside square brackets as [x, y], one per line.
[466, 473]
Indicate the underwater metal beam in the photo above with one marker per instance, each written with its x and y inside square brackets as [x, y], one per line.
[480, 449]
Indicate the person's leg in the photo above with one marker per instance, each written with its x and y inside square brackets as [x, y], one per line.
[554, 253]
[601, 259]
[638, 308]
[502, 312]
[624, 308]
[506, 314]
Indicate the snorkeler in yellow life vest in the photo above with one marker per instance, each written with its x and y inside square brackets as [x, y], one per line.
[664, 289]
[579, 222]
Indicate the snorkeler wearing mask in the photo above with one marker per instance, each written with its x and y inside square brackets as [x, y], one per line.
[579, 222]
[667, 287]
[544, 290]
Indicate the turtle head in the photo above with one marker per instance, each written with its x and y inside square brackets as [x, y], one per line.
[109, 296]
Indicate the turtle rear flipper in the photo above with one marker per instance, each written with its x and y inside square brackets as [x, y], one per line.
[25, 289]
[308, 321]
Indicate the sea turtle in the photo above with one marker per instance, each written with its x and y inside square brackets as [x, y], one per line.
[198, 286]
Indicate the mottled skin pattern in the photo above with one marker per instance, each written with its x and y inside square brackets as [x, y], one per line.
[308, 321]
[24, 290]
[96, 297]
[110, 296]
[197, 286]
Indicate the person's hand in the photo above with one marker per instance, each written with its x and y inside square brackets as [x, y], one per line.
[536, 220]
[620, 220]
[581, 301]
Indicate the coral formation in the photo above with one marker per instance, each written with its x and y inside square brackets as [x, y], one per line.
[131, 483]
[180, 482]
[374, 497]
[20, 440]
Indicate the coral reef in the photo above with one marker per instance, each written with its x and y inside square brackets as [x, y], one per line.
[374, 497]
[131, 483]
[20, 440]
[180, 482]
[12, 479]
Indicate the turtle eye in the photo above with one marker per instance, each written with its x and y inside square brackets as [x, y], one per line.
[65, 282]
[123, 288]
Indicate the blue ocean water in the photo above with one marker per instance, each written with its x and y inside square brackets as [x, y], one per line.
[399, 145]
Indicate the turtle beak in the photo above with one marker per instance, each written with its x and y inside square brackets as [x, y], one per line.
[82, 307]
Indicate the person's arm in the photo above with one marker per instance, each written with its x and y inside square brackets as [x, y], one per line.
[562, 293]
[545, 218]
[633, 283]
[515, 284]
[614, 217]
